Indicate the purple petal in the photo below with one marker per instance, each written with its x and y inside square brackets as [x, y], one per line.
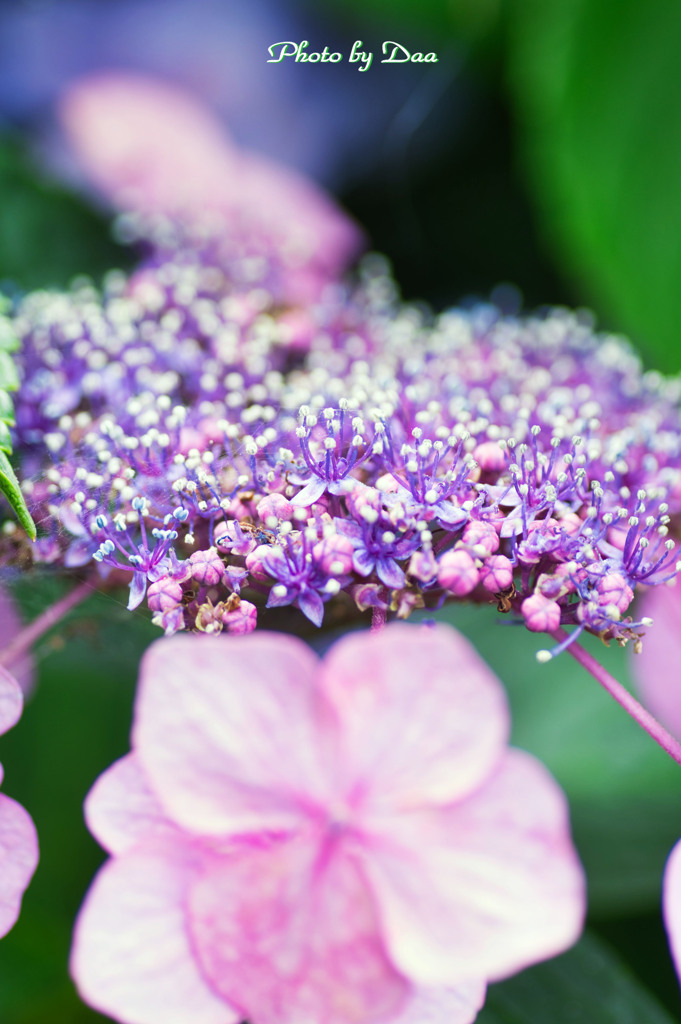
[311, 492]
[312, 606]
[78, 553]
[138, 588]
[363, 563]
[389, 572]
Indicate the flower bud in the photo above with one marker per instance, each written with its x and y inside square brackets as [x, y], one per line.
[274, 507]
[541, 614]
[497, 573]
[457, 572]
[164, 595]
[207, 567]
[241, 619]
[481, 534]
[334, 555]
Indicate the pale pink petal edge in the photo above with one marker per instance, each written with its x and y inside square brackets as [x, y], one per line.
[131, 956]
[18, 859]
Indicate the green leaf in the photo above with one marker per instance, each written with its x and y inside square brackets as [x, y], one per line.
[47, 235]
[598, 96]
[9, 379]
[10, 487]
[6, 408]
[589, 983]
[5, 439]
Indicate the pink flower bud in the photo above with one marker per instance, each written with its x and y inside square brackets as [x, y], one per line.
[457, 572]
[242, 619]
[387, 484]
[207, 567]
[570, 523]
[334, 555]
[164, 595]
[497, 573]
[255, 564]
[490, 457]
[362, 497]
[541, 614]
[614, 590]
[482, 534]
[560, 581]
[274, 509]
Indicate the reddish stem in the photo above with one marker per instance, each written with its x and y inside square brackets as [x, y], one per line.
[623, 697]
[50, 617]
[378, 619]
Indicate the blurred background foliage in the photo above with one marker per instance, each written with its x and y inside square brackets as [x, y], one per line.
[543, 152]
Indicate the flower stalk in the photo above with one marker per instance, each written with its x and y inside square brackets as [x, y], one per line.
[49, 618]
[622, 696]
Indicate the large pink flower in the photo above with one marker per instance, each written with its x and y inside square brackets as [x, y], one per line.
[18, 840]
[150, 146]
[306, 842]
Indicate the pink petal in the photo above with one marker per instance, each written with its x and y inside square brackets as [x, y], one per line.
[149, 145]
[132, 958]
[230, 733]
[289, 934]
[655, 669]
[11, 700]
[485, 887]
[423, 719]
[18, 859]
[121, 809]
[671, 904]
[145, 143]
[458, 1005]
[298, 211]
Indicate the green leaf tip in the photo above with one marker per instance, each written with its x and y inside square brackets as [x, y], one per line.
[10, 487]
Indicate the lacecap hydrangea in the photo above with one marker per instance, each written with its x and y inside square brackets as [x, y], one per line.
[228, 451]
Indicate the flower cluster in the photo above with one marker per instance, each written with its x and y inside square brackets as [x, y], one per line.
[235, 427]
[385, 460]
[290, 842]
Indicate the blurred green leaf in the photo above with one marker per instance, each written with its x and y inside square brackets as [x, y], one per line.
[589, 984]
[47, 235]
[624, 791]
[598, 95]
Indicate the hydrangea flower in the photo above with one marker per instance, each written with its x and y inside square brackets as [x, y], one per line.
[296, 841]
[18, 839]
[407, 439]
[201, 410]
